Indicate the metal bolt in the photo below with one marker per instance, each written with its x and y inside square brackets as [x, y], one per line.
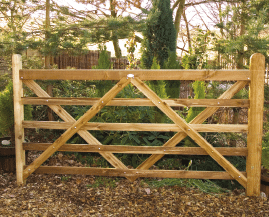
[53, 147]
[239, 176]
[124, 172]
[47, 100]
[99, 148]
[248, 78]
[163, 150]
[102, 101]
[29, 170]
[75, 127]
[130, 76]
[189, 129]
[159, 102]
[21, 77]
[218, 103]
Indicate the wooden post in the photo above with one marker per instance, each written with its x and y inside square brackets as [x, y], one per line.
[18, 117]
[255, 124]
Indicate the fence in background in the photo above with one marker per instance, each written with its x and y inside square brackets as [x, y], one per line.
[87, 61]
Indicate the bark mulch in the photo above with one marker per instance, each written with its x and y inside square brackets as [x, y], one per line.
[80, 195]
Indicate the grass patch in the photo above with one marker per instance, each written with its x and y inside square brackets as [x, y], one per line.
[206, 186]
[104, 182]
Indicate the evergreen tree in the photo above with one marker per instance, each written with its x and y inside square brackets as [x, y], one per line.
[157, 86]
[104, 60]
[199, 93]
[160, 34]
[172, 87]
[103, 63]
[243, 29]
[15, 17]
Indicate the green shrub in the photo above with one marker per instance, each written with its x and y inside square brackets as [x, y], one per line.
[265, 151]
[7, 112]
[158, 86]
[199, 93]
[172, 87]
[103, 87]
[104, 60]
[4, 80]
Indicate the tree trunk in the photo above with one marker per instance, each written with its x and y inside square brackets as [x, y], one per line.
[117, 49]
[47, 57]
[179, 13]
[240, 63]
[115, 39]
[188, 31]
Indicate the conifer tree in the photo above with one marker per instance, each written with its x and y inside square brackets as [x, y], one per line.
[160, 34]
[104, 60]
[172, 87]
[103, 63]
[199, 93]
[157, 86]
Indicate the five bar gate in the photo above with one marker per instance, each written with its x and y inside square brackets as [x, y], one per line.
[250, 178]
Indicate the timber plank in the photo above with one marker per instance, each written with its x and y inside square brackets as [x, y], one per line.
[138, 102]
[230, 151]
[190, 131]
[76, 126]
[140, 173]
[163, 74]
[137, 126]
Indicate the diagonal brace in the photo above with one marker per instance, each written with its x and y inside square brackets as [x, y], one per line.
[86, 135]
[76, 126]
[190, 131]
[228, 94]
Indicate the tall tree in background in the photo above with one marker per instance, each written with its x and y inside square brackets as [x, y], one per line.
[47, 33]
[110, 13]
[16, 32]
[160, 34]
[243, 27]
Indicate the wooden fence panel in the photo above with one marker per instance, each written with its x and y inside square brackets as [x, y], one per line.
[249, 179]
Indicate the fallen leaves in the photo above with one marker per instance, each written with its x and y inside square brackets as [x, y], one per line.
[80, 195]
[49, 195]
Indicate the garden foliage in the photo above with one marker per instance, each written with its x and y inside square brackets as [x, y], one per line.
[7, 112]
[199, 93]
[160, 34]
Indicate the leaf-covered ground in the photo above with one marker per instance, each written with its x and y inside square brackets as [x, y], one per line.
[78, 195]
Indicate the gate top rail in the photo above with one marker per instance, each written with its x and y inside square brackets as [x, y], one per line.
[163, 74]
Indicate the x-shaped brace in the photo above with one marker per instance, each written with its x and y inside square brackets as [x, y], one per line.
[75, 128]
[188, 130]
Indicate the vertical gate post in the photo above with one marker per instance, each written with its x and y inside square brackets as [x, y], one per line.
[255, 124]
[18, 117]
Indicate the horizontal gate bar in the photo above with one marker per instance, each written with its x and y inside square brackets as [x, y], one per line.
[138, 102]
[137, 149]
[139, 173]
[115, 74]
[241, 128]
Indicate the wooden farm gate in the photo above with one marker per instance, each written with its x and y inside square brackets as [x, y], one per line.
[250, 178]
